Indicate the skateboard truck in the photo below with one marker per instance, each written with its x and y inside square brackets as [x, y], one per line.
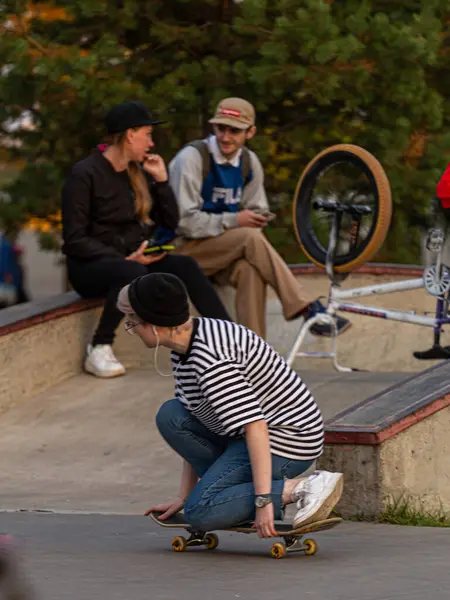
[294, 543]
[197, 538]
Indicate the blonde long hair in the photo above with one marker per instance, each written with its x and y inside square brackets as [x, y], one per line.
[142, 198]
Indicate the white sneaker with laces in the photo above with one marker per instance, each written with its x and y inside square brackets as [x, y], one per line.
[101, 362]
[317, 495]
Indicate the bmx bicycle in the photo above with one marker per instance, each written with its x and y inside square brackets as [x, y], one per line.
[342, 211]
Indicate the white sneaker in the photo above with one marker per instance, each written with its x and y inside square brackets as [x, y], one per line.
[317, 495]
[100, 361]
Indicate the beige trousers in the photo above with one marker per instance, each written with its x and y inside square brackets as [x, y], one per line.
[243, 258]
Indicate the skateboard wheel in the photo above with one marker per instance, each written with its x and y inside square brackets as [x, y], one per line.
[179, 544]
[310, 547]
[278, 550]
[211, 541]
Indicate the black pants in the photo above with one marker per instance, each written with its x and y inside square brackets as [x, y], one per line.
[104, 278]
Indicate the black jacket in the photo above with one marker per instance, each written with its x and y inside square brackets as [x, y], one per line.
[98, 214]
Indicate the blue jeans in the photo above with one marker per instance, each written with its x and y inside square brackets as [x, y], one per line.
[224, 496]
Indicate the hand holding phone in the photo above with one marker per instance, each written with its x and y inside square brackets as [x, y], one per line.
[269, 216]
[142, 256]
[159, 249]
[251, 218]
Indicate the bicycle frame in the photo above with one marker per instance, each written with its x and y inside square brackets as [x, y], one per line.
[335, 304]
[394, 315]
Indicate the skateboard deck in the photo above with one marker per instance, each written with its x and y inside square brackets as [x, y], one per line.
[292, 537]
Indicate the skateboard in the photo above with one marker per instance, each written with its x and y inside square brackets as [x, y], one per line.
[292, 538]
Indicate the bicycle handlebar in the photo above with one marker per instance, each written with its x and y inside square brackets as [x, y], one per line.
[355, 209]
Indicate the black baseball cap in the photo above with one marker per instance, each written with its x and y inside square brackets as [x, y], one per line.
[128, 115]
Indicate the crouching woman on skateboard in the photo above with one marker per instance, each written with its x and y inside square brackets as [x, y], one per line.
[242, 420]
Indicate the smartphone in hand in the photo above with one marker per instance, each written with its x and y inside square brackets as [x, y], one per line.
[155, 250]
[266, 214]
[270, 216]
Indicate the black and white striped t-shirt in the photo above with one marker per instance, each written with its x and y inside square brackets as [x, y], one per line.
[230, 377]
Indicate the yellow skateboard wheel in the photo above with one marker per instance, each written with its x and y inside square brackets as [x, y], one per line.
[278, 550]
[211, 541]
[310, 547]
[179, 544]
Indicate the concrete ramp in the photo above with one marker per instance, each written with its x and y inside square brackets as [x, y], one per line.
[92, 445]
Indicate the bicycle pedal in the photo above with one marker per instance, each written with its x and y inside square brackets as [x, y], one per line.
[434, 353]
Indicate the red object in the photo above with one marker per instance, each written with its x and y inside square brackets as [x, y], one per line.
[230, 112]
[443, 188]
[102, 147]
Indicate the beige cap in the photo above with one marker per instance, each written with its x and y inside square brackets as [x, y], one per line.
[234, 112]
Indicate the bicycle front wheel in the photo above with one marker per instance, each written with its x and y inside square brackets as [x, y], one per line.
[344, 174]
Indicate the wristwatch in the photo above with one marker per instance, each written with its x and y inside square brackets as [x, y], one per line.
[262, 500]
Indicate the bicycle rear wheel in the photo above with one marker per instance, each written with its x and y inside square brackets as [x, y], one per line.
[344, 174]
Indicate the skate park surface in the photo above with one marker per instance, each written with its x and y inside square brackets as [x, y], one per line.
[81, 460]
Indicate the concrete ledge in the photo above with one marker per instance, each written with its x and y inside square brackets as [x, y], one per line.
[394, 445]
[42, 343]
[390, 412]
[28, 314]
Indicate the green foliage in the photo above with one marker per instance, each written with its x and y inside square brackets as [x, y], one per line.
[367, 72]
[408, 511]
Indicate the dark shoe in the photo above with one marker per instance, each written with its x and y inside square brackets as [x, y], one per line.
[325, 329]
[436, 352]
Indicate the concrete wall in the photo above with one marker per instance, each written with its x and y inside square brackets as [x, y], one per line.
[416, 464]
[35, 358]
[360, 465]
[413, 465]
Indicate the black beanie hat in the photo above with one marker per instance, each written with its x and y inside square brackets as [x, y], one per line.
[159, 299]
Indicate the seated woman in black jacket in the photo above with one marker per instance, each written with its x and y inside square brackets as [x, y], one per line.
[112, 202]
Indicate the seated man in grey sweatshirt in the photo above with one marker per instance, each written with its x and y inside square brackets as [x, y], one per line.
[219, 185]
